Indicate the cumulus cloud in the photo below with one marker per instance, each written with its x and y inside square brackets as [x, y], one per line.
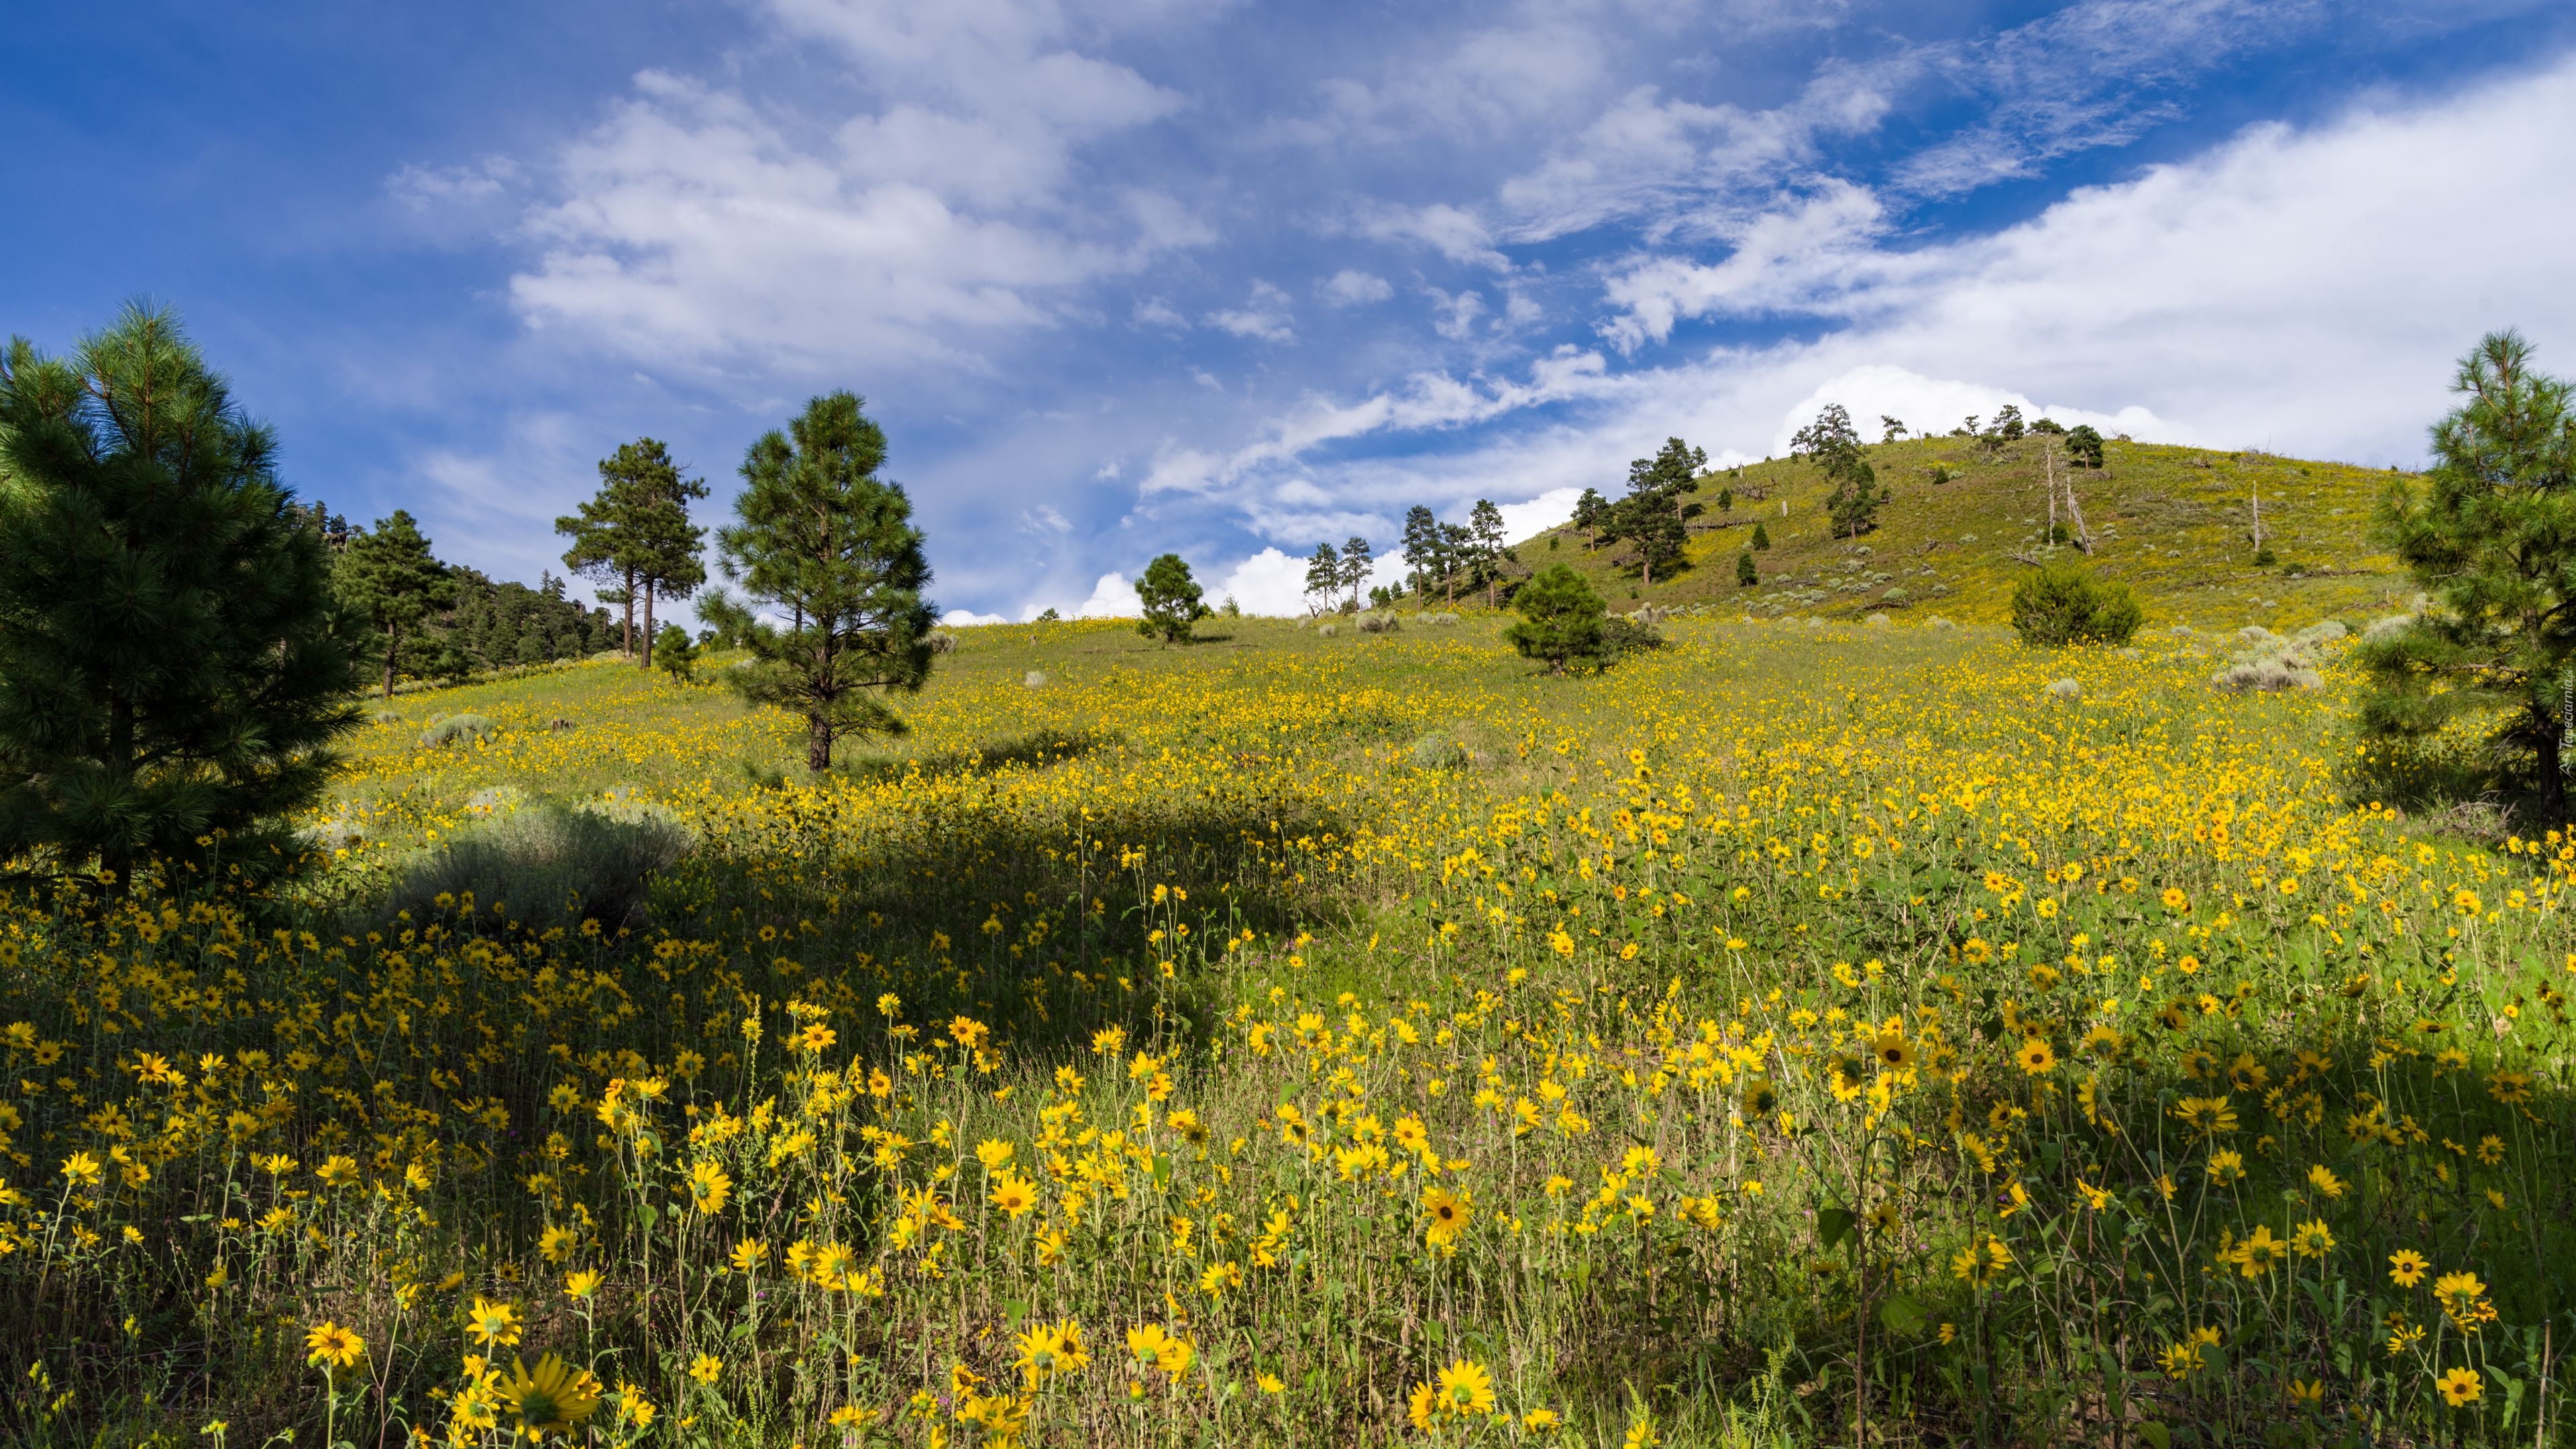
[961, 618]
[1926, 405]
[1111, 598]
[1269, 583]
[696, 224]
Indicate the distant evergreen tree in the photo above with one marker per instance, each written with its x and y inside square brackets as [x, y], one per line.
[1456, 558]
[1485, 521]
[2493, 540]
[2049, 425]
[1890, 429]
[1761, 537]
[1746, 575]
[2084, 446]
[1324, 574]
[819, 537]
[1653, 516]
[2006, 427]
[1726, 500]
[1356, 563]
[636, 531]
[173, 665]
[1591, 512]
[389, 576]
[1172, 599]
[1832, 446]
[495, 625]
[1421, 547]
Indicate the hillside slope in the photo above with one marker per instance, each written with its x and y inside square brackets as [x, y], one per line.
[2172, 522]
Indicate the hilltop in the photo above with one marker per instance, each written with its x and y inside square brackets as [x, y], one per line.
[2172, 522]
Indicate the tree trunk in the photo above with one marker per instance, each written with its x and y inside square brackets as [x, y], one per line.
[818, 744]
[2553, 783]
[393, 644]
[626, 639]
[647, 661]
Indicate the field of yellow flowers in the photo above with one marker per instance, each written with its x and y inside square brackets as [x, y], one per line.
[1798, 1035]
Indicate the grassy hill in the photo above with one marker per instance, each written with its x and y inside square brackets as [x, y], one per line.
[2172, 522]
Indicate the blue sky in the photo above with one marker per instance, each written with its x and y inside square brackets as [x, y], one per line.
[1233, 279]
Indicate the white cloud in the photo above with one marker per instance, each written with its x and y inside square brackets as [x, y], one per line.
[1264, 316]
[1269, 583]
[1155, 312]
[967, 618]
[1349, 288]
[1794, 260]
[1927, 405]
[1538, 515]
[694, 224]
[2195, 303]
[1043, 519]
[1111, 598]
[1452, 232]
[1455, 317]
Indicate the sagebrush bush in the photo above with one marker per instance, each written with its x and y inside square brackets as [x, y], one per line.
[456, 728]
[2060, 605]
[549, 865]
[1439, 752]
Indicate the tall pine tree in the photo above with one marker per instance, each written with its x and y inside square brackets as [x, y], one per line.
[818, 536]
[635, 533]
[389, 577]
[2493, 540]
[172, 665]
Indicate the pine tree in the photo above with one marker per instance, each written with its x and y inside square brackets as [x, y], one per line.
[1761, 537]
[2493, 540]
[1653, 516]
[1591, 513]
[1421, 547]
[636, 531]
[1324, 574]
[173, 666]
[1356, 563]
[1172, 600]
[1746, 575]
[676, 654]
[389, 576]
[818, 536]
[2084, 445]
[1486, 521]
[1561, 619]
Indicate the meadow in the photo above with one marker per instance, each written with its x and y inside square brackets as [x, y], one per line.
[1800, 1034]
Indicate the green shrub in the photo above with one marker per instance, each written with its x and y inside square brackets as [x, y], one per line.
[548, 865]
[2063, 605]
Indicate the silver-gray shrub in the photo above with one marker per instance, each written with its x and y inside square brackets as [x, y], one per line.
[549, 865]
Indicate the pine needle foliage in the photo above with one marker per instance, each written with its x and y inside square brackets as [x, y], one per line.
[173, 670]
[819, 537]
[2493, 539]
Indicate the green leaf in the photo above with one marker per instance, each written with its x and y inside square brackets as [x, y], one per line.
[1903, 1316]
[2155, 1434]
[1835, 1224]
